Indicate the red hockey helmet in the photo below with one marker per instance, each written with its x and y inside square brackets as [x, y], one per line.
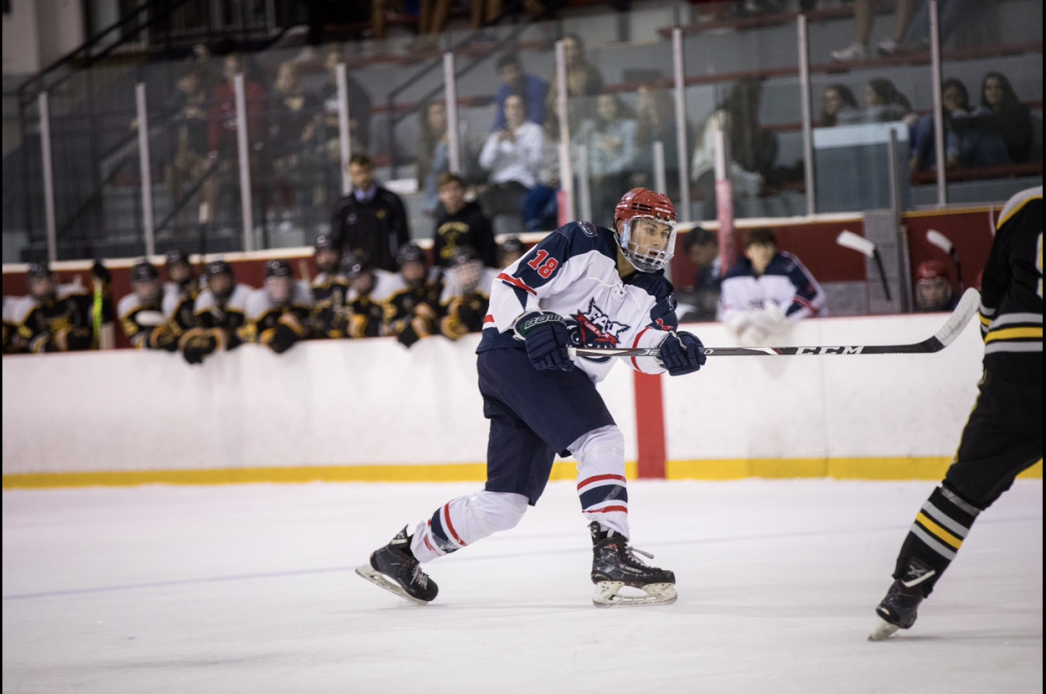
[931, 270]
[640, 203]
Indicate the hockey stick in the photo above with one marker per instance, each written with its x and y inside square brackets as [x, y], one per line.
[944, 243]
[848, 239]
[962, 314]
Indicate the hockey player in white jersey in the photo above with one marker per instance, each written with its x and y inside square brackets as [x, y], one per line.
[767, 291]
[582, 286]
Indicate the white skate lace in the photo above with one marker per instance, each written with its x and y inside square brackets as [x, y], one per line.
[419, 577]
[632, 552]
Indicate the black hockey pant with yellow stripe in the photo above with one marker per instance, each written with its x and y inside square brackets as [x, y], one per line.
[1002, 438]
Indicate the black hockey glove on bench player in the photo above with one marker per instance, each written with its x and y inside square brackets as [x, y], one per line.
[546, 338]
[682, 353]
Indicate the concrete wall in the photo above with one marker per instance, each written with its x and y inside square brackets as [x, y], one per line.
[335, 405]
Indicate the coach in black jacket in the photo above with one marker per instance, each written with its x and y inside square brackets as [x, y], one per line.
[370, 217]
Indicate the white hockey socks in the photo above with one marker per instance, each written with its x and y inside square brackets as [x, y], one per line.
[465, 520]
[601, 478]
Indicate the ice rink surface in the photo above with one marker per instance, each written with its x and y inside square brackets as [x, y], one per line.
[250, 589]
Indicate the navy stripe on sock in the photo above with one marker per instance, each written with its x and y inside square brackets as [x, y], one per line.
[614, 492]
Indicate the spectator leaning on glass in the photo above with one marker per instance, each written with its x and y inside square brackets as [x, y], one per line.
[460, 223]
[837, 98]
[767, 291]
[533, 89]
[610, 141]
[512, 155]
[220, 314]
[141, 312]
[371, 218]
[278, 313]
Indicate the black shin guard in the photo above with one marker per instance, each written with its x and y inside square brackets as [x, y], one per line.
[934, 539]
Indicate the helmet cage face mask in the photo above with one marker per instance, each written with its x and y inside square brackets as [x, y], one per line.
[467, 275]
[644, 258]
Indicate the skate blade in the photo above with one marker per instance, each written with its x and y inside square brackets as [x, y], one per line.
[379, 579]
[883, 630]
[608, 595]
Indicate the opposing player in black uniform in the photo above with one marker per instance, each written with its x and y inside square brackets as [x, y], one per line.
[329, 289]
[278, 313]
[141, 311]
[1003, 436]
[219, 315]
[411, 313]
[180, 292]
[53, 318]
[467, 294]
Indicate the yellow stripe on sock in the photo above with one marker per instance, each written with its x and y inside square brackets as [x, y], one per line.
[937, 530]
[1013, 334]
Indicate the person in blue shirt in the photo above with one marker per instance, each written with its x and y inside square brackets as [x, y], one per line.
[534, 91]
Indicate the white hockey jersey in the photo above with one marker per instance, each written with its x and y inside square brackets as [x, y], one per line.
[785, 282]
[573, 272]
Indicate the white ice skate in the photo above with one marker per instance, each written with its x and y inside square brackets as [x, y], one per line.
[608, 595]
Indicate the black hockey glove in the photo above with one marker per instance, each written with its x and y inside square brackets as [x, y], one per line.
[283, 338]
[197, 344]
[682, 353]
[547, 339]
[472, 312]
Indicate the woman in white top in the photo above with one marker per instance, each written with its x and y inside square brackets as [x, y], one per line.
[512, 155]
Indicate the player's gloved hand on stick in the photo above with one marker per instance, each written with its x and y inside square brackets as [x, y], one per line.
[682, 353]
[547, 339]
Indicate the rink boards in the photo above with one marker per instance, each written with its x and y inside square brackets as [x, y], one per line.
[371, 410]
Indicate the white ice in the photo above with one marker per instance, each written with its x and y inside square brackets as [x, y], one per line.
[251, 589]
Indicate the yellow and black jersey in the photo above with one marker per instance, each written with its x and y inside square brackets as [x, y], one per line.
[366, 317]
[1011, 292]
[179, 305]
[406, 305]
[224, 319]
[10, 328]
[329, 311]
[278, 325]
[63, 324]
[145, 324]
[465, 314]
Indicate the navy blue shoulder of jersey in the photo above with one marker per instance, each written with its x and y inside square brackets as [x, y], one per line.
[781, 264]
[663, 314]
[742, 268]
[542, 263]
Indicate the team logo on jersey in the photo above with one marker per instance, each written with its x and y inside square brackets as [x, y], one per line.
[588, 228]
[594, 328]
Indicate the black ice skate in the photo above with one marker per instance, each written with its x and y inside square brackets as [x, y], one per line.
[394, 568]
[899, 609]
[615, 566]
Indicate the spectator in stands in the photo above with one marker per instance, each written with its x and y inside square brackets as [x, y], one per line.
[371, 218]
[933, 287]
[700, 301]
[964, 146]
[188, 142]
[583, 78]
[278, 313]
[359, 107]
[484, 12]
[767, 291]
[883, 104]
[610, 139]
[512, 155]
[461, 223]
[540, 205]
[509, 251]
[837, 98]
[1002, 112]
[917, 37]
[534, 90]
[292, 131]
[753, 149]
[433, 151]
[656, 123]
[220, 312]
[141, 311]
[222, 128]
[864, 16]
